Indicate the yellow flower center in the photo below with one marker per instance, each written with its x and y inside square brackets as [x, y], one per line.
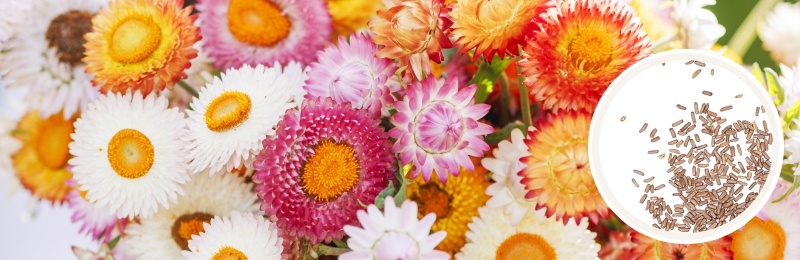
[134, 39]
[331, 171]
[525, 246]
[759, 240]
[65, 33]
[187, 225]
[227, 111]
[592, 47]
[569, 168]
[52, 141]
[432, 199]
[257, 22]
[228, 253]
[130, 153]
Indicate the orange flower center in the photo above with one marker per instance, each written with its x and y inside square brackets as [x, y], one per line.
[52, 141]
[759, 240]
[134, 39]
[525, 246]
[228, 253]
[257, 22]
[187, 225]
[331, 171]
[567, 162]
[130, 153]
[432, 199]
[592, 47]
[65, 33]
[227, 111]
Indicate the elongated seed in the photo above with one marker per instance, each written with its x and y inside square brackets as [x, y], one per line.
[649, 179]
[681, 107]
[726, 108]
[638, 172]
[697, 72]
[644, 127]
[634, 182]
[707, 93]
[739, 96]
[689, 62]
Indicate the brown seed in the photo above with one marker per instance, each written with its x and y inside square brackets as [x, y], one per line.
[739, 96]
[726, 108]
[681, 107]
[677, 123]
[648, 180]
[638, 172]
[689, 62]
[655, 139]
[763, 110]
[697, 72]
[653, 133]
[700, 63]
[622, 119]
[635, 183]
[660, 187]
[644, 127]
[757, 110]
[707, 93]
[652, 152]
[644, 196]
[663, 63]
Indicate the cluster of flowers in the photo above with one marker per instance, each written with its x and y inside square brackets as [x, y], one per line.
[305, 129]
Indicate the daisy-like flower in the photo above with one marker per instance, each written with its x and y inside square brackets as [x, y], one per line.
[507, 191]
[349, 16]
[394, 234]
[780, 33]
[697, 27]
[412, 31]
[649, 248]
[97, 221]
[11, 12]
[581, 47]
[351, 73]
[323, 161]
[436, 127]
[129, 154]
[167, 233]
[558, 174]
[45, 54]
[141, 45]
[239, 32]
[776, 235]
[494, 27]
[619, 246]
[41, 163]
[454, 203]
[296, 76]
[656, 17]
[233, 115]
[492, 237]
[242, 236]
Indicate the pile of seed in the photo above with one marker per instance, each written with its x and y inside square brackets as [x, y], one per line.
[703, 170]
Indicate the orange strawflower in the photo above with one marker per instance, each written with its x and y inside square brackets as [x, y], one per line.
[651, 249]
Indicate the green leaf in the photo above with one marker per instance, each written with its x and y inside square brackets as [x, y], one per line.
[773, 87]
[340, 243]
[759, 73]
[791, 114]
[113, 243]
[503, 133]
[382, 196]
[487, 75]
[795, 184]
[787, 172]
[401, 193]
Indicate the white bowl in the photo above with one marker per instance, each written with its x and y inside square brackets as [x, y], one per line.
[649, 92]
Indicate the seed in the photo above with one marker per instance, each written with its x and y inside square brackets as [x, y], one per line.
[681, 107]
[644, 196]
[763, 110]
[661, 156]
[622, 119]
[757, 110]
[660, 187]
[635, 183]
[663, 63]
[689, 62]
[653, 133]
[655, 139]
[677, 123]
[697, 72]
[652, 152]
[739, 96]
[700, 63]
[638, 172]
[712, 72]
[726, 108]
[649, 179]
[644, 127]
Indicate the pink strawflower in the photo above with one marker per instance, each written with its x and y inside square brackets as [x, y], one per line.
[96, 221]
[394, 234]
[352, 73]
[263, 32]
[436, 127]
[321, 162]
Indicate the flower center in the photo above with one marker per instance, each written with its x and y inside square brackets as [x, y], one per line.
[432, 199]
[52, 141]
[438, 127]
[525, 246]
[227, 111]
[569, 167]
[759, 240]
[134, 39]
[130, 153]
[257, 22]
[187, 225]
[592, 47]
[413, 28]
[352, 83]
[228, 253]
[65, 33]
[331, 171]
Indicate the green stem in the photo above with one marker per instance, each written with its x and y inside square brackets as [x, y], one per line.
[329, 250]
[505, 95]
[188, 88]
[525, 105]
[746, 34]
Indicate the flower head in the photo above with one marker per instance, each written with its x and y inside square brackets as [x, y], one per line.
[350, 16]
[649, 248]
[412, 31]
[97, 221]
[780, 35]
[321, 162]
[581, 48]
[141, 45]
[558, 174]
[494, 27]
[454, 203]
[239, 32]
[351, 73]
[491, 236]
[774, 236]
[507, 191]
[619, 246]
[394, 234]
[436, 127]
[11, 13]
[242, 236]
[697, 27]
